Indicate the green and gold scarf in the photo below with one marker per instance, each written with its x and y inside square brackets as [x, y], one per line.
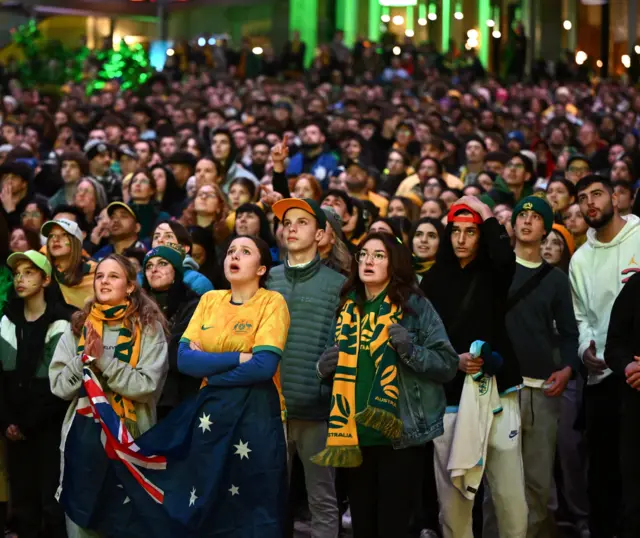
[382, 408]
[127, 350]
[421, 266]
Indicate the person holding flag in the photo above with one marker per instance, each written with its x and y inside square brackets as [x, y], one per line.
[216, 465]
[120, 334]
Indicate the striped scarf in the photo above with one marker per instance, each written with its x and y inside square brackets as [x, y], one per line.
[381, 412]
[127, 350]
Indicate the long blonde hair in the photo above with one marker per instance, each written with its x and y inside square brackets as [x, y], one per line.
[73, 274]
[141, 306]
[339, 257]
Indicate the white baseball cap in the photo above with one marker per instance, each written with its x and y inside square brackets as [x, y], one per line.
[67, 225]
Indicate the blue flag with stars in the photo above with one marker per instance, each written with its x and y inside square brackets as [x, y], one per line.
[214, 467]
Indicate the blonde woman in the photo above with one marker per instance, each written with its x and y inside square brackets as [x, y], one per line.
[122, 333]
[73, 272]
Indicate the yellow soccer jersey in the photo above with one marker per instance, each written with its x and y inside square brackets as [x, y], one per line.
[261, 324]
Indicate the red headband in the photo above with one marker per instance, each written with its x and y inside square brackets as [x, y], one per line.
[474, 218]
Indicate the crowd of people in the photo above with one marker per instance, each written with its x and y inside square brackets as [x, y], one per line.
[424, 283]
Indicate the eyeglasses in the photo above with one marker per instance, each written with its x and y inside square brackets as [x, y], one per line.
[31, 215]
[375, 257]
[578, 169]
[207, 195]
[517, 166]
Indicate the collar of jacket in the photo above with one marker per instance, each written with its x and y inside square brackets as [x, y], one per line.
[302, 273]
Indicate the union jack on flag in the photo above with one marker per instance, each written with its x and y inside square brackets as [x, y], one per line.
[116, 439]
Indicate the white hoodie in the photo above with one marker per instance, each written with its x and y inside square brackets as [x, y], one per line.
[597, 273]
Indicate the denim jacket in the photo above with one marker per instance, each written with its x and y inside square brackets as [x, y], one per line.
[422, 375]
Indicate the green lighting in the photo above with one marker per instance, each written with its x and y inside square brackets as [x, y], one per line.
[350, 8]
[303, 16]
[446, 24]
[484, 12]
[375, 12]
[422, 11]
[340, 13]
[409, 18]
[398, 3]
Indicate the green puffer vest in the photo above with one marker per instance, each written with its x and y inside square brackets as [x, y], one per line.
[312, 293]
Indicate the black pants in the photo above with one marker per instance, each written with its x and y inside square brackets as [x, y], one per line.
[602, 405]
[629, 452]
[383, 491]
[34, 471]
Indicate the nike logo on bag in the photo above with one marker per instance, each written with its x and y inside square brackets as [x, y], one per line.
[204, 328]
[513, 434]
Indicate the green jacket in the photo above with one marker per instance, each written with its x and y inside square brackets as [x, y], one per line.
[312, 293]
[500, 194]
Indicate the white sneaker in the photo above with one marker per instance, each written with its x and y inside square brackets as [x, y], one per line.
[346, 519]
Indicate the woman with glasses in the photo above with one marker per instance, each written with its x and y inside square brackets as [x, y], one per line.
[142, 191]
[72, 271]
[211, 211]
[388, 365]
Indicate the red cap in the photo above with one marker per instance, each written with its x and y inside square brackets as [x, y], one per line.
[475, 217]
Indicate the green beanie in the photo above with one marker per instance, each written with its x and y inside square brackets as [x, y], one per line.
[173, 256]
[537, 204]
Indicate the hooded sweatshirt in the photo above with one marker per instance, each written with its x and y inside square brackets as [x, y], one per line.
[597, 273]
[446, 284]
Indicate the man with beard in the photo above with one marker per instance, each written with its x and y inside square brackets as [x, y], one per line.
[598, 271]
[123, 231]
[358, 187]
[313, 158]
[99, 155]
[259, 156]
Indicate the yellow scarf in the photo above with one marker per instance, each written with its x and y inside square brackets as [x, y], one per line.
[382, 411]
[127, 350]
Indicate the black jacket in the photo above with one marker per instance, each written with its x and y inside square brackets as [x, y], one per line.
[25, 396]
[446, 286]
[178, 387]
[623, 338]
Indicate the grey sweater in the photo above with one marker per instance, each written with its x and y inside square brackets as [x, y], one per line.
[142, 384]
[530, 323]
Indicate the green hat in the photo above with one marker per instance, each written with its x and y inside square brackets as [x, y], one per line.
[37, 259]
[537, 204]
[306, 204]
[173, 256]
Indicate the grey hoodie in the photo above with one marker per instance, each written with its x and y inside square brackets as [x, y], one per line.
[142, 384]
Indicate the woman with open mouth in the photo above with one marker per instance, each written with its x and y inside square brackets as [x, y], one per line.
[234, 341]
[121, 334]
[388, 365]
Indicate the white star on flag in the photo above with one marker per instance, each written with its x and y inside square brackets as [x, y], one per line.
[193, 498]
[234, 490]
[205, 423]
[242, 449]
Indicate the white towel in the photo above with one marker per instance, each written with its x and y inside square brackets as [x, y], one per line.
[479, 402]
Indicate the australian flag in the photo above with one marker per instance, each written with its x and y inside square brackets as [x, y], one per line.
[215, 467]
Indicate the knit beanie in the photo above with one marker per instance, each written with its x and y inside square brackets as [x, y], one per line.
[173, 256]
[537, 204]
[566, 235]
